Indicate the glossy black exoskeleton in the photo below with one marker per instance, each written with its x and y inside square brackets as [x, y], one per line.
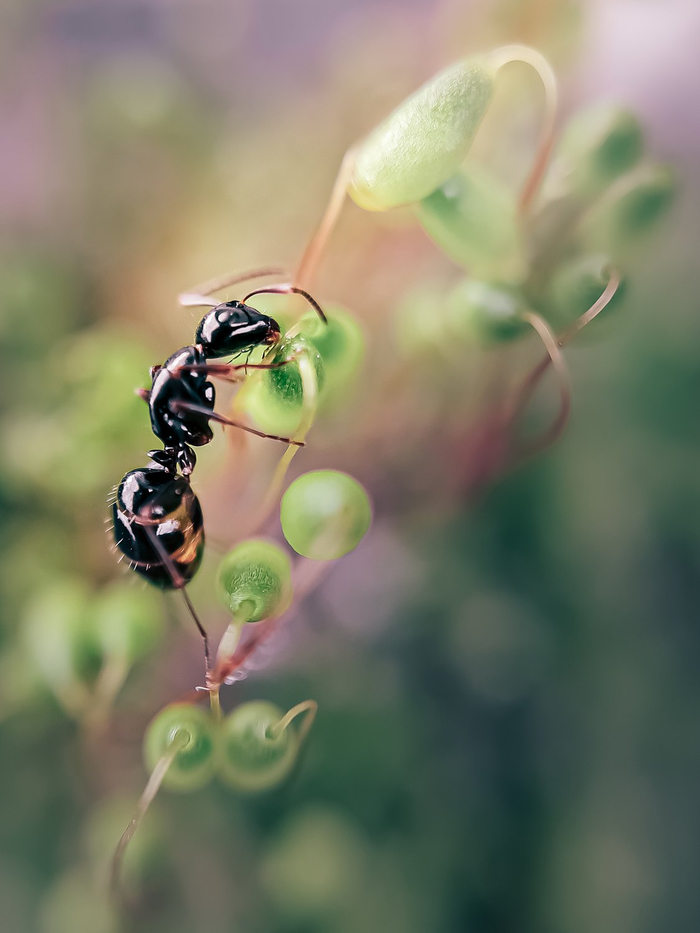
[158, 524]
[173, 387]
[232, 328]
[181, 399]
[156, 518]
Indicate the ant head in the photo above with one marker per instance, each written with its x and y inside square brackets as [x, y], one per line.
[233, 327]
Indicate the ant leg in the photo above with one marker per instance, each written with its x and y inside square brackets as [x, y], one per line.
[288, 289]
[227, 371]
[176, 406]
[200, 627]
[179, 584]
[199, 294]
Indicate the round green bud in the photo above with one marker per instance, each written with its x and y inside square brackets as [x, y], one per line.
[341, 344]
[61, 635]
[600, 144]
[191, 730]
[473, 217]
[255, 580]
[325, 514]
[425, 140]
[577, 285]
[254, 754]
[631, 209]
[274, 398]
[484, 313]
[128, 620]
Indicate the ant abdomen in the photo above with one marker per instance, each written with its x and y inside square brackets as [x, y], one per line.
[158, 526]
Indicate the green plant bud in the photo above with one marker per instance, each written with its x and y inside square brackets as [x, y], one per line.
[576, 286]
[341, 344]
[630, 209]
[600, 144]
[128, 620]
[255, 581]
[484, 313]
[325, 514]
[61, 636]
[473, 217]
[192, 730]
[254, 754]
[274, 398]
[425, 140]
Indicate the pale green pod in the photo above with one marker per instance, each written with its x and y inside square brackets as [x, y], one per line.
[254, 580]
[274, 398]
[630, 210]
[485, 314]
[473, 217]
[425, 140]
[599, 145]
[341, 343]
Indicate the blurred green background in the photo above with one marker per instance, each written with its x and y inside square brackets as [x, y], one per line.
[509, 705]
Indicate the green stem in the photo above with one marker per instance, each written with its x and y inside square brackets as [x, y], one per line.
[309, 388]
[151, 789]
[307, 706]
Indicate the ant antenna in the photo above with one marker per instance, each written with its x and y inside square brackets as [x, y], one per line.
[198, 295]
[289, 289]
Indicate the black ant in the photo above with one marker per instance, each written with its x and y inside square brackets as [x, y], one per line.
[156, 517]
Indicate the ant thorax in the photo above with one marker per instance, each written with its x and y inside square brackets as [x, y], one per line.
[178, 386]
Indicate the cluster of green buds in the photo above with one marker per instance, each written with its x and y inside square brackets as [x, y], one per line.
[545, 260]
[83, 644]
[324, 515]
[254, 748]
[534, 260]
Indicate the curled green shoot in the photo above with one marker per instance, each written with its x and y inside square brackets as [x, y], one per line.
[522, 53]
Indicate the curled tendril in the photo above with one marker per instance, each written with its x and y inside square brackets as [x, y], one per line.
[554, 346]
[537, 61]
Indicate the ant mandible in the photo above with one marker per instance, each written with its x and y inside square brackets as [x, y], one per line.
[156, 517]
